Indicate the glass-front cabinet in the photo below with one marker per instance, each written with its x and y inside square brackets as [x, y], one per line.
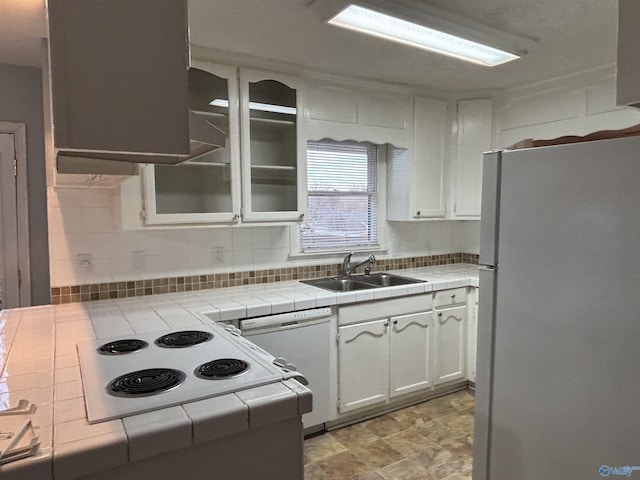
[205, 189]
[259, 175]
[274, 183]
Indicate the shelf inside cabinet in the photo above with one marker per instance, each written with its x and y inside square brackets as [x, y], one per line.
[273, 167]
[273, 121]
[204, 164]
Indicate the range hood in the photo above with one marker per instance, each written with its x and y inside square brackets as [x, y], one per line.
[203, 138]
[119, 84]
[628, 66]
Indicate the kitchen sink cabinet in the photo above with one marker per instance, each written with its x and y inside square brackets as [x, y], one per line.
[416, 178]
[383, 355]
[363, 373]
[260, 174]
[473, 138]
[409, 353]
[450, 333]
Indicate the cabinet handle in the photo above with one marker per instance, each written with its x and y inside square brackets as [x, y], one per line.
[440, 314]
[395, 322]
[301, 217]
[453, 296]
[386, 324]
[236, 217]
[418, 212]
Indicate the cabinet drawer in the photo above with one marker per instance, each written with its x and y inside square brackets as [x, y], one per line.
[455, 296]
[362, 312]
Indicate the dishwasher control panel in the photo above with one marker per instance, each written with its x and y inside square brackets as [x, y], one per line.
[285, 319]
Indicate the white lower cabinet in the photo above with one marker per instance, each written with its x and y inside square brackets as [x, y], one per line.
[450, 346]
[383, 359]
[399, 347]
[409, 355]
[363, 375]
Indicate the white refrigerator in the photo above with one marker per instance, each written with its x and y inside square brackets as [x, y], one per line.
[558, 369]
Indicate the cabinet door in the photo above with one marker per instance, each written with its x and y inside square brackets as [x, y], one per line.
[450, 334]
[410, 350]
[363, 365]
[430, 125]
[273, 155]
[473, 139]
[205, 189]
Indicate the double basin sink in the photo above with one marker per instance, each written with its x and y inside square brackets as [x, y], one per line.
[361, 282]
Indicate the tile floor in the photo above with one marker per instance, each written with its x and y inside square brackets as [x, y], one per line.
[432, 440]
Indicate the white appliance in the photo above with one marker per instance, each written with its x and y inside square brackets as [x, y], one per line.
[144, 372]
[301, 339]
[559, 313]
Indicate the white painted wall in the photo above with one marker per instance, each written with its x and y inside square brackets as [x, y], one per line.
[87, 221]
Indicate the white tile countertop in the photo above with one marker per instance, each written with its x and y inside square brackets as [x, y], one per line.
[39, 362]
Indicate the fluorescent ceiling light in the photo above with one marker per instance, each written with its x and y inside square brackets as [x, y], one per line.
[392, 28]
[264, 107]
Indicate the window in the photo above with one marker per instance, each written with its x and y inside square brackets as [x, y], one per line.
[342, 196]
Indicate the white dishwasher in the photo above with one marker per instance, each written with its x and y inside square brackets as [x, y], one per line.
[302, 339]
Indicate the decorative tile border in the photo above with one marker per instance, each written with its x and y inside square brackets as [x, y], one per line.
[103, 291]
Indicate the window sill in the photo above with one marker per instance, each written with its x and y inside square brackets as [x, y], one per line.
[377, 249]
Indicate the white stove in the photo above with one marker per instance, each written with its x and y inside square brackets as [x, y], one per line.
[143, 372]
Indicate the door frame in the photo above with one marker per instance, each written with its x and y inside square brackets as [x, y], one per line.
[21, 226]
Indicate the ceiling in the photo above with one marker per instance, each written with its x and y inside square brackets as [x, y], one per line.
[570, 36]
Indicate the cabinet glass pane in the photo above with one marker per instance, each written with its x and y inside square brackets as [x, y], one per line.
[273, 144]
[193, 189]
[201, 185]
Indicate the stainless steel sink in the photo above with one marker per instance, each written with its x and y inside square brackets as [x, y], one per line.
[387, 279]
[339, 284]
[361, 282]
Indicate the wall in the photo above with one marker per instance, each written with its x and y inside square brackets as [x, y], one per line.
[87, 221]
[21, 102]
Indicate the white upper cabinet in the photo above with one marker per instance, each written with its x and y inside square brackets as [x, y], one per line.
[416, 177]
[273, 150]
[333, 104]
[473, 138]
[350, 112]
[206, 189]
[260, 174]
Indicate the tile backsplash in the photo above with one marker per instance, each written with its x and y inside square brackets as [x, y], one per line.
[92, 256]
[103, 291]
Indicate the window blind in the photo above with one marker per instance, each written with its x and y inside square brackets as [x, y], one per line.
[342, 196]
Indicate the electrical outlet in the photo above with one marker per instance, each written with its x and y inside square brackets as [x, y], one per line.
[84, 260]
[218, 255]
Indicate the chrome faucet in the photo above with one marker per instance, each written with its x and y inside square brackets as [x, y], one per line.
[348, 267]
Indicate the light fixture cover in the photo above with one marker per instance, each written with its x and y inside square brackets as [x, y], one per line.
[385, 26]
